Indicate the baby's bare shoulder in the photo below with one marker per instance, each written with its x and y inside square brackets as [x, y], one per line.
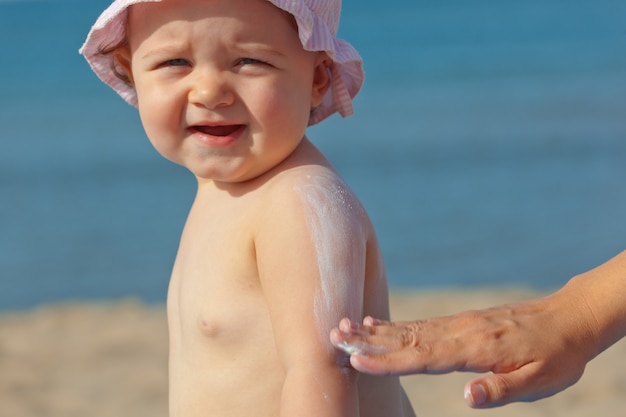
[316, 194]
[316, 186]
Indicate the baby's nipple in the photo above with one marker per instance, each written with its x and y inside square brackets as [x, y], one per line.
[209, 328]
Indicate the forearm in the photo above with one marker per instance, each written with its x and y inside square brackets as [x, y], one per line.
[602, 292]
[314, 391]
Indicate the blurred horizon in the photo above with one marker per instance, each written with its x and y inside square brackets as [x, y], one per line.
[488, 146]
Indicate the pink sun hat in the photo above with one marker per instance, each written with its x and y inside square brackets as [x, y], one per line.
[318, 22]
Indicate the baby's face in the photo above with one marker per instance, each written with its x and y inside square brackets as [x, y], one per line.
[224, 86]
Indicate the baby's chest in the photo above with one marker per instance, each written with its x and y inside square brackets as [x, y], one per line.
[215, 291]
[215, 294]
[218, 326]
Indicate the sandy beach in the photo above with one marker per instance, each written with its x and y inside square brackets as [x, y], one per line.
[110, 359]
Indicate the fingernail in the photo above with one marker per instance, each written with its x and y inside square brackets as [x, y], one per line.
[369, 321]
[345, 325]
[475, 395]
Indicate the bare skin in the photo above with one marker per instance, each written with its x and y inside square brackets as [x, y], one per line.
[533, 349]
[274, 238]
[245, 279]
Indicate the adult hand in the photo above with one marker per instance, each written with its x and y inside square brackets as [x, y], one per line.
[534, 349]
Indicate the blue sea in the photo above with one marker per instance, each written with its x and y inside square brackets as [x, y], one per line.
[488, 146]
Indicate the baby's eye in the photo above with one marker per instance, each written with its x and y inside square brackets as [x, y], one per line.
[250, 61]
[176, 62]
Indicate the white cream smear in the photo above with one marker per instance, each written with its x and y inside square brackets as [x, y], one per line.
[334, 219]
[350, 349]
[362, 348]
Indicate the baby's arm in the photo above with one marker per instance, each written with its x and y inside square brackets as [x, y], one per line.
[311, 258]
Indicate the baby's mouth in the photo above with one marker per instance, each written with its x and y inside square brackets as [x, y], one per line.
[224, 130]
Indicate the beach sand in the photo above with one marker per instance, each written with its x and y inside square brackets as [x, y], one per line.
[110, 359]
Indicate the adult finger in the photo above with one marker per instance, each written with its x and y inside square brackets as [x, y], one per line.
[528, 383]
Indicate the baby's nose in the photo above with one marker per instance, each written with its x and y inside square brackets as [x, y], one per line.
[211, 89]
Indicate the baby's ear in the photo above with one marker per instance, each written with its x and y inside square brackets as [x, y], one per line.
[321, 78]
[122, 59]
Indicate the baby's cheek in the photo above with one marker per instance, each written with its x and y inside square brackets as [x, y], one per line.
[163, 132]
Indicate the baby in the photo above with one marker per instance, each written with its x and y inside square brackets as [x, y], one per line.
[275, 240]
